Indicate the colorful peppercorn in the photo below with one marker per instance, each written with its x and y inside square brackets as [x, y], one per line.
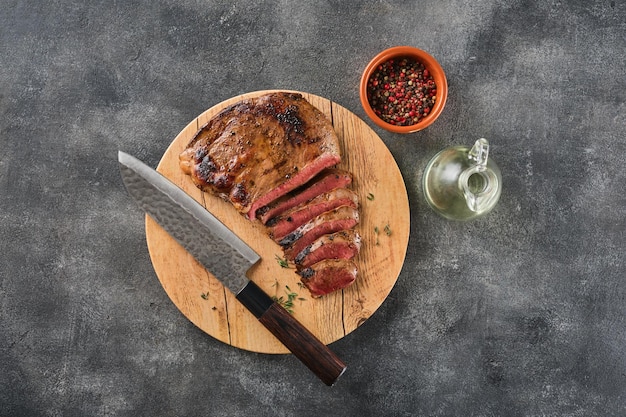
[401, 91]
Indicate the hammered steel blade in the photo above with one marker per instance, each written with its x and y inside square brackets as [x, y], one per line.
[213, 244]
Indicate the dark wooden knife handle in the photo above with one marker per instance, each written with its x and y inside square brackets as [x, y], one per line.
[301, 342]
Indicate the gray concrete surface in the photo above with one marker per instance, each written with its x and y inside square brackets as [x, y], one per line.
[518, 314]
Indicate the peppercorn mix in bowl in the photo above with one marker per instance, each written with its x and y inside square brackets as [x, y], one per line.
[403, 89]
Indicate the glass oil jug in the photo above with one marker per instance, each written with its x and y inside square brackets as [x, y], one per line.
[462, 183]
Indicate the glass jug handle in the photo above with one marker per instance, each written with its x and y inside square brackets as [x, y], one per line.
[480, 153]
[476, 181]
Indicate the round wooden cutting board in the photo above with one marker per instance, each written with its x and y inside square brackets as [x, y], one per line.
[384, 227]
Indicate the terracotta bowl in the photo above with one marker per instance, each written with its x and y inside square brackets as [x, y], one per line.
[435, 70]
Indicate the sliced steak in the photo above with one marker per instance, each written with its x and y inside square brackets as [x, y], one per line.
[325, 181]
[341, 245]
[341, 218]
[259, 149]
[296, 217]
[328, 275]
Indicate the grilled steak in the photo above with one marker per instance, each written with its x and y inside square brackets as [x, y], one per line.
[329, 179]
[259, 149]
[341, 218]
[328, 275]
[272, 157]
[341, 245]
[291, 220]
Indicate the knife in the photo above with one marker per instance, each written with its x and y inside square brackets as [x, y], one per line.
[227, 257]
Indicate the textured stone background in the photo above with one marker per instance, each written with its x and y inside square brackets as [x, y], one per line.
[519, 314]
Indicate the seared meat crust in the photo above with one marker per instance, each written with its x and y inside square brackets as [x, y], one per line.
[259, 149]
[341, 218]
[344, 244]
[296, 217]
[328, 275]
[327, 180]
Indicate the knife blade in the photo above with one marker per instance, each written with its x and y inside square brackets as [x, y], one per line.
[227, 257]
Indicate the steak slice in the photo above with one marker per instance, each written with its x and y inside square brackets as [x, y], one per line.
[259, 149]
[341, 218]
[291, 220]
[325, 181]
[341, 245]
[328, 276]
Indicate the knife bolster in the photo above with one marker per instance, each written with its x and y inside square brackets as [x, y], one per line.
[255, 299]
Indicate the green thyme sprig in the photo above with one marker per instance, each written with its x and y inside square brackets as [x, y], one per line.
[282, 262]
[288, 303]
